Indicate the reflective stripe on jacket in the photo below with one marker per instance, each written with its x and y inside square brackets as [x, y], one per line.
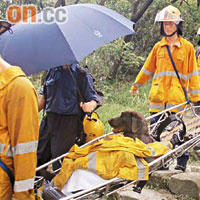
[19, 129]
[109, 158]
[166, 90]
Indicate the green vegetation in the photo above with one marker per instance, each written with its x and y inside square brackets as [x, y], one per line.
[118, 99]
[116, 64]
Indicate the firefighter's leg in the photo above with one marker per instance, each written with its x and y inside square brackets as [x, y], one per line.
[182, 162]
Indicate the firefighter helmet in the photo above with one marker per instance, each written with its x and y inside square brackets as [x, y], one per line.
[169, 13]
[198, 32]
[93, 127]
[93, 115]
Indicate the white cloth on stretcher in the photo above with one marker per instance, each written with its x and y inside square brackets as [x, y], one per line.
[81, 180]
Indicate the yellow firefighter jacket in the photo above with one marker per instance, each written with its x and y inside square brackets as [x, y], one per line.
[18, 133]
[166, 90]
[109, 158]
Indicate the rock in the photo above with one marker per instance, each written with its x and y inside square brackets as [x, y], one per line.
[160, 178]
[147, 194]
[186, 184]
[194, 168]
[195, 155]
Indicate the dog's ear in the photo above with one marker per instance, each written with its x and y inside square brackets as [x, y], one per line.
[136, 122]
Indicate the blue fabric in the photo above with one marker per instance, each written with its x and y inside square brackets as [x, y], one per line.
[87, 27]
[61, 95]
[7, 170]
[182, 160]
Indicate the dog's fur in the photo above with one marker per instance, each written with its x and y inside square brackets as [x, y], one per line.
[133, 124]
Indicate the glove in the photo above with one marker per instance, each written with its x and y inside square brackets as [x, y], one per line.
[178, 138]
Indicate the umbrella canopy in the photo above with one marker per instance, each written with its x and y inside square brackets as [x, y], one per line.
[38, 46]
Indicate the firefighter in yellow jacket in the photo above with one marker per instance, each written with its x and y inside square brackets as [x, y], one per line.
[166, 90]
[18, 131]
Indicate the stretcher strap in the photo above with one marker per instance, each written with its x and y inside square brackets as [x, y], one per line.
[7, 170]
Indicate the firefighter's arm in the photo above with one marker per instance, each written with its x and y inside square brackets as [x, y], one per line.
[23, 128]
[194, 78]
[146, 72]
[90, 95]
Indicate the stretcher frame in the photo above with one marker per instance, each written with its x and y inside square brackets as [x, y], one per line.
[113, 185]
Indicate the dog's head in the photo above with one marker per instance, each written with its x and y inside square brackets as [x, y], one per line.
[133, 124]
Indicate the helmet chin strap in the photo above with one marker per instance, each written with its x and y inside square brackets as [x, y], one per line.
[170, 34]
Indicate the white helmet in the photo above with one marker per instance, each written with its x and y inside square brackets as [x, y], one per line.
[169, 14]
[198, 32]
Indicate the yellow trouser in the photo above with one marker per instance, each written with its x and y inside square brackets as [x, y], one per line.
[6, 191]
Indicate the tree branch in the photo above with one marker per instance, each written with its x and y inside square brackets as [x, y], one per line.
[136, 17]
[60, 3]
[102, 2]
[29, 1]
[141, 11]
[76, 1]
[41, 5]
[173, 1]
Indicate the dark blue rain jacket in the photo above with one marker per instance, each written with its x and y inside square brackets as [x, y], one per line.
[60, 91]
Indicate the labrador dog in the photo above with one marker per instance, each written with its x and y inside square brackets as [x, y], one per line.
[133, 124]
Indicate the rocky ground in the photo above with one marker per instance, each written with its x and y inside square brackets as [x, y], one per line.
[168, 185]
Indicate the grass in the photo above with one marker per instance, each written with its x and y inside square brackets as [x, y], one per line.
[118, 99]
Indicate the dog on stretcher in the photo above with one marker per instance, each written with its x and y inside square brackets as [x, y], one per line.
[134, 125]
